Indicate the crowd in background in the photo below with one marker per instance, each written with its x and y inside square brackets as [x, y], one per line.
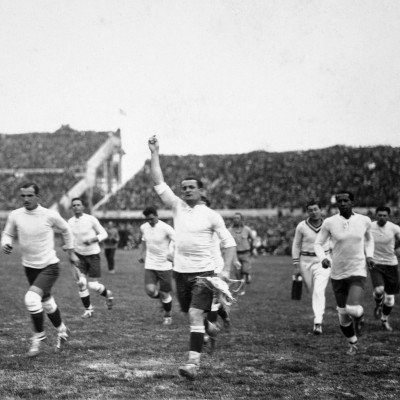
[239, 181]
[65, 149]
[270, 180]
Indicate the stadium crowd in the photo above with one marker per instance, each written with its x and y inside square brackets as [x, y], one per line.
[268, 180]
[56, 161]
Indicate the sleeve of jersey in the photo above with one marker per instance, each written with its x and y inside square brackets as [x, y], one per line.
[223, 233]
[101, 232]
[143, 239]
[65, 229]
[322, 237]
[166, 194]
[369, 241]
[296, 247]
[9, 232]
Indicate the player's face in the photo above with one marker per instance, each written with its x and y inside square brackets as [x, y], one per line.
[382, 217]
[77, 207]
[314, 212]
[237, 220]
[190, 191]
[152, 219]
[29, 198]
[344, 202]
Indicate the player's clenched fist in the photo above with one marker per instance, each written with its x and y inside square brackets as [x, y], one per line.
[153, 144]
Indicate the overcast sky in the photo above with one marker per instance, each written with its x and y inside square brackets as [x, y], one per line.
[207, 76]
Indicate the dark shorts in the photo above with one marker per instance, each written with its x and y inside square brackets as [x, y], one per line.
[90, 265]
[152, 277]
[341, 288]
[43, 279]
[386, 276]
[245, 260]
[191, 294]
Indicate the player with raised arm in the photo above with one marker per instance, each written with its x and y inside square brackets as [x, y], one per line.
[352, 250]
[34, 226]
[385, 274]
[155, 248]
[195, 225]
[88, 233]
[307, 264]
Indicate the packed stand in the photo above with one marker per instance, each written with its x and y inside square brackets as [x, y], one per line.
[269, 180]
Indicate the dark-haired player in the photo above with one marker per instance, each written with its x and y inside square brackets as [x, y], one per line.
[88, 233]
[352, 247]
[307, 263]
[34, 225]
[384, 275]
[157, 237]
[195, 225]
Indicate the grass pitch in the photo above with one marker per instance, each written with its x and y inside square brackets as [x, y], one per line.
[126, 353]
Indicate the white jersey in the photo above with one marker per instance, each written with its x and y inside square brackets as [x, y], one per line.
[217, 255]
[304, 239]
[84, 228]
[385, 238]
[158, 239]
[194, 229]
[34, 229]
[351, 241]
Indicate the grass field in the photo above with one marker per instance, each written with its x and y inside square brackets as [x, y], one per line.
[126, 353]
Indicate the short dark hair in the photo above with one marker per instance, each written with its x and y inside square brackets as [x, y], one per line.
[382, 208]
[238, 213]
[313, 202]
[27, 185]
[350, 194]
[150, 210]
[75, 199]
[192, 178]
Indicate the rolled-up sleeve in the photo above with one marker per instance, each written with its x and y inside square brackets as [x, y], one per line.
[223, 233]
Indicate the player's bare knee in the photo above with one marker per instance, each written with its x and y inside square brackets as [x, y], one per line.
[151, 291]
[196, 317]
[389, 300]
[355, 311]
[49, 305]
[33, 302]
[379, 291]
[344, 317]
[165, 297]
[82, 283]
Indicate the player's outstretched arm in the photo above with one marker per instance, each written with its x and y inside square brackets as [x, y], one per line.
[155, 167]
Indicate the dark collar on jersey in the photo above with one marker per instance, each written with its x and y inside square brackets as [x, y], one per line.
[314, 228]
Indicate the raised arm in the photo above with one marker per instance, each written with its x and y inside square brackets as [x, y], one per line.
[155, 167]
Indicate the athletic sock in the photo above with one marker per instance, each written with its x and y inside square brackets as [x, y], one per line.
[55, 318]
[348, 331]
[386, 310]
[212, 316]
[222, 313]
[38, 321]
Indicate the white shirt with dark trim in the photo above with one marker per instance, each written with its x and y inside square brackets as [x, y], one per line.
[194, 229]
[351, 242]
[304, 239]
[84, 228]
[158, 239]
[35, 232]
[385, 240]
